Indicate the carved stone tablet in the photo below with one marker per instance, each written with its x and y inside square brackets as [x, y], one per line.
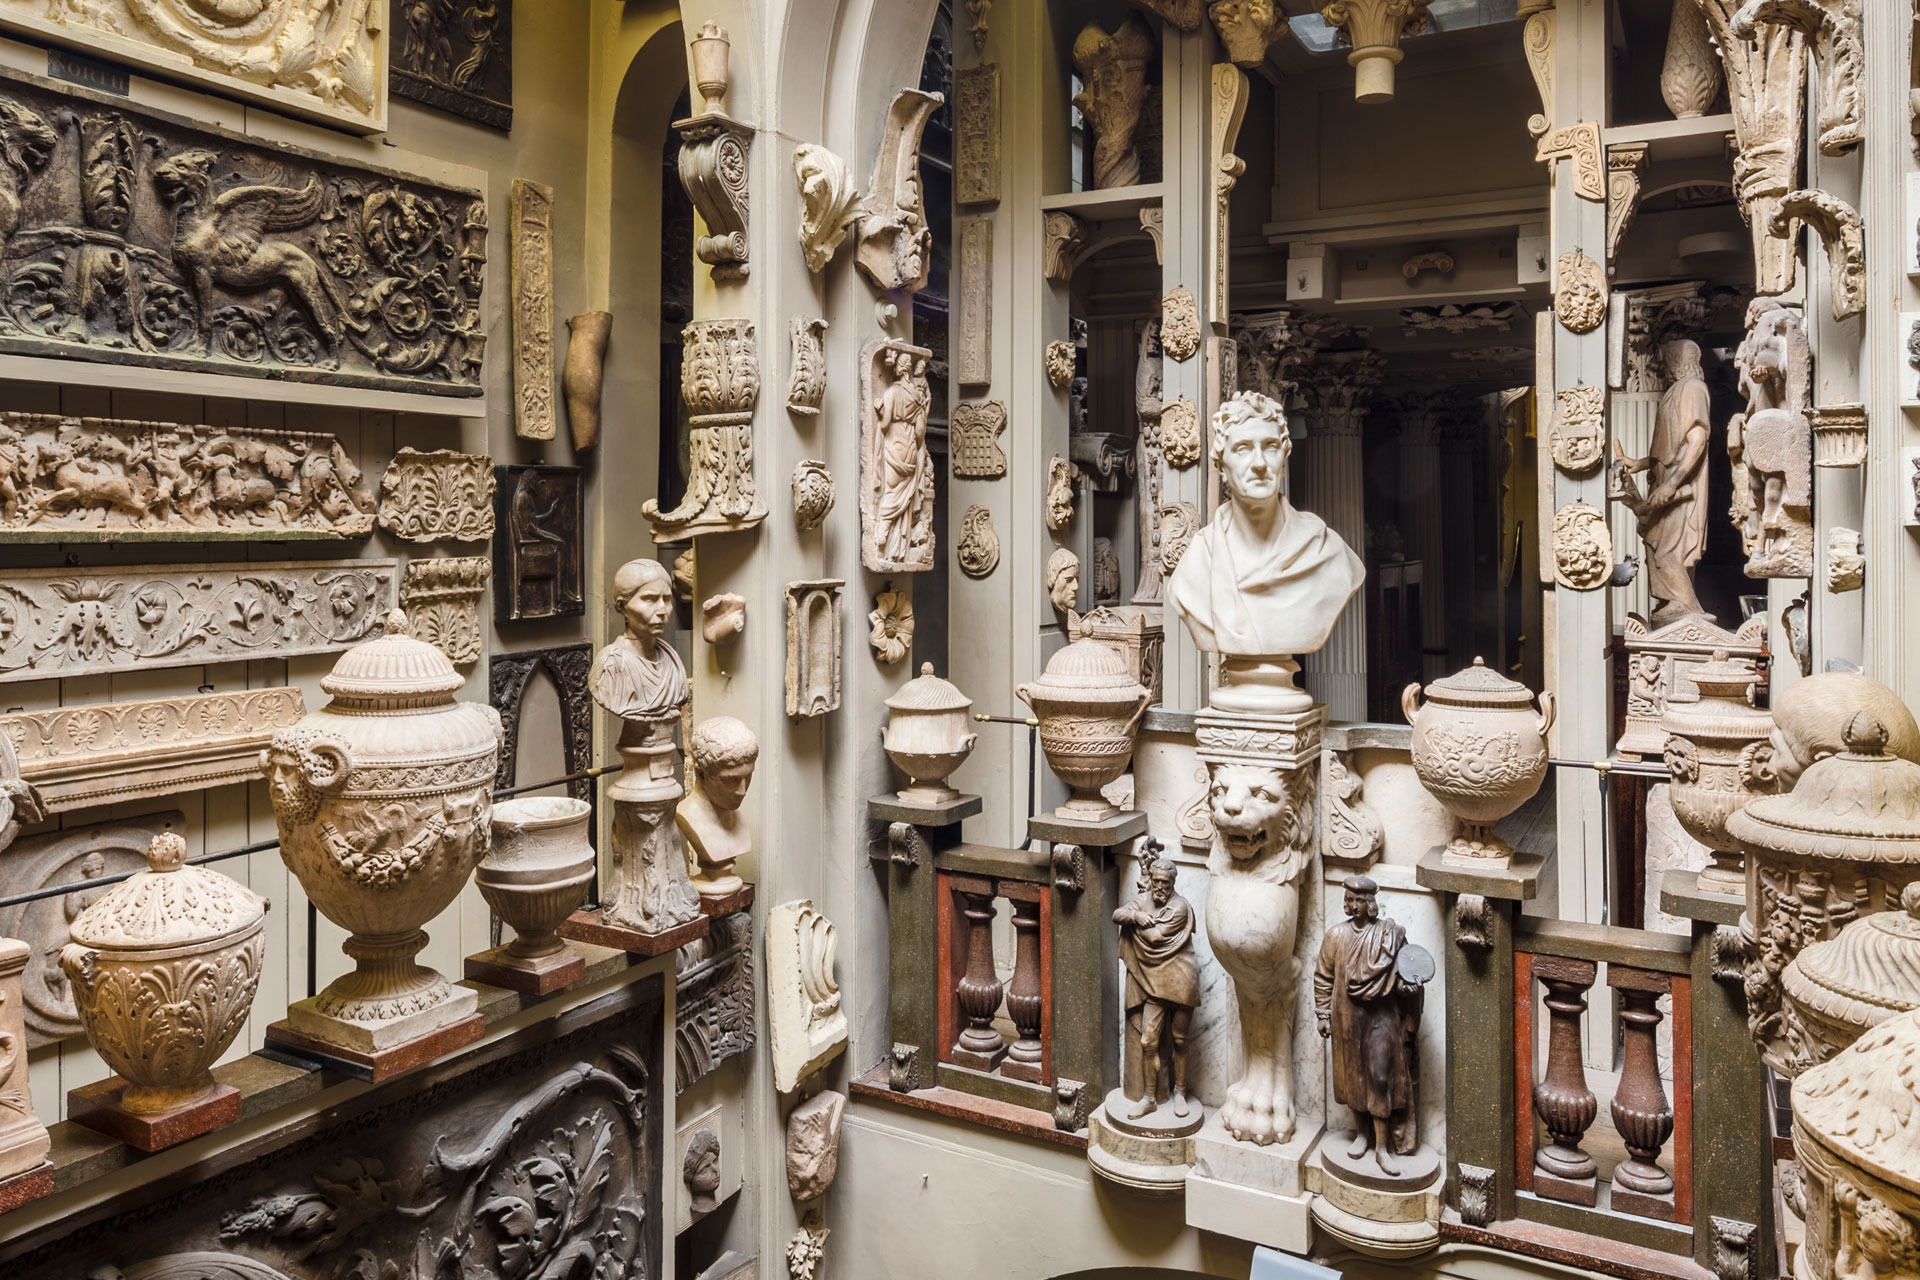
[537, 550]
[806, 1025]
[1181, 441]
[139, 238]
[532, 263]
[438, 496]
[973, 361]
[974, 437]
[1179, 325]
[465, 66]
[568, 666]
[1579, 428]
[56, 623]
[896, 470]
[442, 600]
[976, 135]
[1580, 293]
[1582, 548]
[813, 646]
[713, 998]
[978, 548]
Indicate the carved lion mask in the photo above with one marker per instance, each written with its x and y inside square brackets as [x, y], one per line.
[1254, 812]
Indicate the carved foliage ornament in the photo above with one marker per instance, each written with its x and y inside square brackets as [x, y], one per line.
[1766, 86]
[891, 623]
[975, 431]
[441, 597]
[1179, 522]
[141, 239]
[1579, 143]
[720, 383]
[1579, 428]
[1626, 164]
[1844, 237]
[807, 377]
[829, 203]
[978, 548]
[457, 57]
[713, 998]
[1247, 28]
[1179, 325]
[532, 270]
[1060, 483]
[1064, 237]
[1353, 833]
[714, 172]
[896, 469]
[1113, 69]
[976, 135]
[1582, 548]
[813, 493]
[1579, 292]
[1833, 34]
[429, 497]
[1060, 362]
[894, 252]
[1181, 439]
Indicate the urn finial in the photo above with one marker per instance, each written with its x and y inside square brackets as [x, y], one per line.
[166, 852]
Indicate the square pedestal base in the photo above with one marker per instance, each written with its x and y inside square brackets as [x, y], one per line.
[1277, 1169]
[305, 1019]
[1242, 1213]
[1640, 1204]
[376, 1068]
[1551, 1186]
[544, 976]
[98, 1107]
[923, 813]
[587, 926]
[25, 1188]
[978, 1061]
[739, 900]
[1104, 834]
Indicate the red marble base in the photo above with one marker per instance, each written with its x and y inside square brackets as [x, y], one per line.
[739, 900]
[25, 1188]
[585, 926]
[542, 977]
[97, 1106]
[376, 1068]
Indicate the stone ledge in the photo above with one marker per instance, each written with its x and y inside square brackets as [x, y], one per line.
[954, 1105]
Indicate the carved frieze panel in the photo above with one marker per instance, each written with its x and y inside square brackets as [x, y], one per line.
[894, 250]
[1582, 547]
[49, 861]
[106, 753]
[896, 469]
[807, 369]
[713, 998]
[813, 646]
[66, 479]
[568, 666]
[532, 272]
[974, 438]
[440, 496]
[441, 597]
[976, 135]
[138, 238]
[538, 547]
[312, 58]
[457, 55]
[973, 360]
[1579, 292]
[56, 623]
[1579, 428]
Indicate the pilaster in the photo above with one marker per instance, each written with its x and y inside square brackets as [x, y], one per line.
[1338, 387]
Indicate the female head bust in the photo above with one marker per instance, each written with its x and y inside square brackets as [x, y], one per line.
[643, 593]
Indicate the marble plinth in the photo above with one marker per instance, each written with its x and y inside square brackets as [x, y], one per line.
[1104, 833]
[1278, 1169]
[541, 976]
[1383, 1216]
[98, 1106]
[1243, 1213]
[26, 1187]
[591, 927]
[1150, 1154]
[377, 1068]
[725, 905]
[308, 1019]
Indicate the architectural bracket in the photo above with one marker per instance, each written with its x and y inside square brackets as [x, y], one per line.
[1839, 227]
[713, 169]
[1064, 237]
[1626, 165]
[1580, 143]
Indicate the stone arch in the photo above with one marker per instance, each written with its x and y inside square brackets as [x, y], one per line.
[568, 666]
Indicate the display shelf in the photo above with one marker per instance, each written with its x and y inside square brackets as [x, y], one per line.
[1675, 139]
[1110, 204]
[1024, 1122]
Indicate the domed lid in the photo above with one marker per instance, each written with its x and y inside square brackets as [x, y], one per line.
[393, 667]
[1087, 664]
[1862, 805]
[928, 692]
[1863, 1104]
[170, 904]
[1721, 677]
[1480, 686]
[1867, 972]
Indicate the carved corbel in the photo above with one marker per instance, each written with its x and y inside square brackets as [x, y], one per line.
[1473, 922]
[977, 13]
[1069, 1105]
[907, 845]
[903, 1071]
[1229, 109]
[1832, 30]
[1766, 78]
[1069, 868]
[1626, 165]
[1537, 39]
[1065, 236]
[895, 241]
[1840, 230]
[713, 164]
[1580, 143]
[1153, 221]
[1373, 28]
[1247, 28]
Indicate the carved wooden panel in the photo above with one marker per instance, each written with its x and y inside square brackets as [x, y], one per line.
[67, 479]
[138, 238]
[535, 1156]
[568, 667]
[456, 55]
[62, 858]
[537, 567]
[713, 998]
[73, 622]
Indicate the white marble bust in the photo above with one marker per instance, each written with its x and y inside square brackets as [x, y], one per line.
[1263, 581]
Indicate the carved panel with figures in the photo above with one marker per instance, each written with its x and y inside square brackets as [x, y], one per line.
[457, 55]
[538, 548]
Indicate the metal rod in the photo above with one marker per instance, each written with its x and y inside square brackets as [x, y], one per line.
[1632, 768]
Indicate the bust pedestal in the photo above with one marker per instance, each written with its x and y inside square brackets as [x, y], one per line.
[1371, 1212]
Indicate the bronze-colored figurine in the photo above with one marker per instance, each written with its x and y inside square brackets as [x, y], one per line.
[1163, 983]
[1367, 995]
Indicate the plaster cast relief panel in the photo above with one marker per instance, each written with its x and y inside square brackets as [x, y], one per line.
[813, 493]
[1846, 560]
[1179, 521]
[1179, 325]
[829, 203]
[324, 271]
[713, 161]
[720, 383]
[1064, 237]
[807, 368]
[1690, 72]
[891, 626]
[1766, 86]
[974, 437]
[538, 548]
[1060, 480]
[63, 479]
[1352, 832]
[73, 622]
[1113, 69]
[1832, 32]
[1106, 574]
[806, 1026]
[895, 242]
[1579, 144]
[1771, 444]
[312, 58]
[442, 602]
[1579, 428]
[438, 496]
[1181, 439]
[976, 135]
[569, 668]
[1060, 362]
[1247, 28]
[978, 548]
[896, 469]
[973, 361]
[532, 270]
[46, 862]
[108, 753]
[713, 998]
[1582, 548]
[1579, 293]
[464, 67]
[1842, 235]
[813, 646]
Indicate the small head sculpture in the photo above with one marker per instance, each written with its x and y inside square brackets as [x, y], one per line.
[643, 593]
[1063, 579]
[724, 751]
[701, 1171]
[303, 766]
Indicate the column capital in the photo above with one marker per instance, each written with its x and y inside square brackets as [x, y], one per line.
[1338, 386]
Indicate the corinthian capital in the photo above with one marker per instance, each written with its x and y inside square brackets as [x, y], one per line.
[1247, 28]
[1373, 28]
[1338, 386]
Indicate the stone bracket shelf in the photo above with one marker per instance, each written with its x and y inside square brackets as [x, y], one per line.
[1700, 137]
[987, 1112]
[1108, 204]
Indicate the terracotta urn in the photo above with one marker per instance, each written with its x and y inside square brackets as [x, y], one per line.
[1089, 708]
[1480, 749]
[383, 798]
[1720, 756]
[928, 736]
[164, 967]
[537, 873]
[1857, 979]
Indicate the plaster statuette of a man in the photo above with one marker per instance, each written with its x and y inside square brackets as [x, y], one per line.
[723, 752]
[1163, 985]
[1672, 516]
[1264, 581]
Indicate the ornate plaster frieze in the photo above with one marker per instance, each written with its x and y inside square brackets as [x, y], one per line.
[1064, 237]
[974, 432]
[1579, 428]
[569, 668]
[978, 547]
[807, 370]
[1113, 69]
[441, 597]
[1373, 29]
[1766, 85]
[538, 547]
[1247, 28]
[1841, 233]
[1834, 38]
[973, 327]
[1626, 165]
[1228, 107]
[464, 67]
[895, 242]
[1456, 318]
[65, 479]
[1179, 325]
[813, 493]
[1060, 493]
[713, 998]
[829, 203]
[720, 382]
[532, 271]
[976, 135]
[138, 238]
[813, 646]
[56, 623]
[1580, 144]
[1690, 71]
[1181, 439]
[106, 753]
[1582, 547]
[896, 468]
[806, 1025]
[1579, 292]
[431, 497]
[315, 58]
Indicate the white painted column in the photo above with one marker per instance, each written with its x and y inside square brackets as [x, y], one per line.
[1338, 387]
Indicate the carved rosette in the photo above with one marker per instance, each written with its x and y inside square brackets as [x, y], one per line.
[1181, 439]
[720, 382]
[890, 626]
[974, 438]
[807, 376]
[1179, 325]
[1579, 428]
[441, 597]
[978, 547]
[1373, 29]
[1579, 292]
[713, 170]
[894, 251]
[440, 496]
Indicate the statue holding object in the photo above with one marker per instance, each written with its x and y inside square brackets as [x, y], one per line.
[1163, 984]
[1671, 516]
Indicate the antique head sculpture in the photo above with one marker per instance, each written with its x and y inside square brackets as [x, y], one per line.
[1249, 447]
[1063, 579]
[1810, 720]
[643, 594]
[724, 752]
[701, 1171]
[303, 765]
[1255, 811]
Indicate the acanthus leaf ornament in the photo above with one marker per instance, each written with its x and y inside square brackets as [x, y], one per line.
[713, 998]
[1353, 833]
[1247, 28]
[1064, 237]
[1690, 72]
[1766, 87]
[720, 383]
[1181, 438]
[895, 244]
[1179, 325]
[1060, 360]
[1372, 28]
[443, 495]
[714, 164]
[1833, 33]
[1626, 165]
[442, 598]
[829, 203]
[813, 493]
[807, 375]
[1113, 69]
[1844, 237]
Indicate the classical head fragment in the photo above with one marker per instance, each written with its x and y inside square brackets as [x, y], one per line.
[1063, 579]
[724, 752]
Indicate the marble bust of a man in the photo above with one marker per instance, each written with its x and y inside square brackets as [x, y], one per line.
[1263, 581]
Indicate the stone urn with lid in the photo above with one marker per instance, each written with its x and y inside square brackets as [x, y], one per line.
[164, 967]
[928, 736]
[383, 799]
[1480, 749]
[1719, 757]
[1868, 972]
[1089, 708]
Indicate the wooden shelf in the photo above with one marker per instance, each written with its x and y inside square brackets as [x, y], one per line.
[1675, 139]
[1109, 205]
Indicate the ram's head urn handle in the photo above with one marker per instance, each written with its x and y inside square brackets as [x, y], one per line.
[78, 962]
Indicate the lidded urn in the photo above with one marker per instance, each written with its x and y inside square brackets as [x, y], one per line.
[383, 798]
[1480, 749]
[1844, 843]
[1089, 707]
[164, 967]
[1857, 979]
[928, 736]
[1719, 757]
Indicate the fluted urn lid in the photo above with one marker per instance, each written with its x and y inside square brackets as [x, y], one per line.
[1482, 688]
[929, 693]
[1863, 1104]
[393, 668]
[1867, 972]
[1861, 805]
[168, 905]
[1088, 669]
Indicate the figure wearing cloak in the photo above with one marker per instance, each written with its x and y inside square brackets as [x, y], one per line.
[1371, 1017]
[1163, 984]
